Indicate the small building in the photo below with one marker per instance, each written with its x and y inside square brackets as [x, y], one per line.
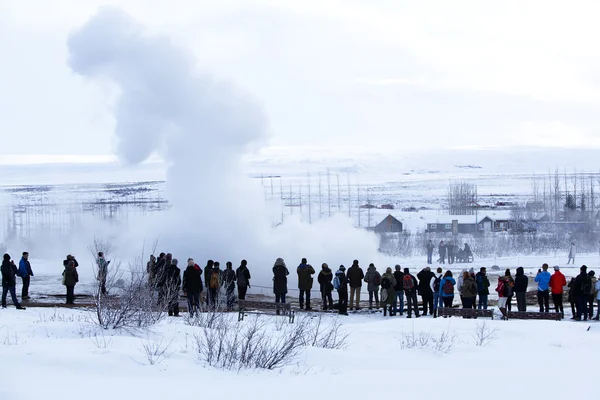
[389, 225]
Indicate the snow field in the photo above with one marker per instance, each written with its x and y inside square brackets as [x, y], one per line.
[50, 354]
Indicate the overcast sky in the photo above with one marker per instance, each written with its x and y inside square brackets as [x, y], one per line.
[402, 74]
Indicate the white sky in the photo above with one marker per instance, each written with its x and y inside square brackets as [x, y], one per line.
[387, 73]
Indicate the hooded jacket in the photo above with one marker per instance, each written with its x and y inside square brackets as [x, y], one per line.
[355, 276]
[483, 284]
[243, 276]
[425, 277]
[70, 275]
[325, 278]
[280, 273]
[372, 277]
[469, 288]
[343, 288]
[443, 282]
[521, 281]
[305, 273]
[192, 279]
[391, 291]
[25, 268]
[557, 282]
[9, 273]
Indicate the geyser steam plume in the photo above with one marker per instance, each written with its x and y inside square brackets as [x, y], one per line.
[203, 128]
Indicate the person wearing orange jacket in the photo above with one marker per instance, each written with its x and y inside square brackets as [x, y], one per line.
[557, 284]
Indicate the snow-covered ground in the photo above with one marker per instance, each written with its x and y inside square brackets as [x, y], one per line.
[52, 354]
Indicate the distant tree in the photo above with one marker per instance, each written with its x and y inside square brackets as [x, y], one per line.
[462, 198]
[570, 204]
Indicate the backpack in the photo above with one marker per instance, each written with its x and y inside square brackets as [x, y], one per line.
[377, 279]
[386, 283]
[409, 283]
[501, 287]
[336, 282]
[586, 285]
[214, 280]
[436, 284]
[507, 290]
[448, 287]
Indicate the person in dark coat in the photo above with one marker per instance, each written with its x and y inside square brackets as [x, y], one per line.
[442, 252]
[355, 277]
[151, 270]
[510, 282]
[399, 303]
[229, 278]
[25, 272]
[520, 289]
[9, 281]
[572, 298]
[583, 288]
[207, 271]
[425, 277]
[173, 284]
[342, 290]
[483, 288]
[70, 258]
[373, 280]
[325, 279]
[102, 265]
[410, 289]
[305, 281]
[70, 279]
[450, 253]
[243, 279]
[280, 273]
[192, 286]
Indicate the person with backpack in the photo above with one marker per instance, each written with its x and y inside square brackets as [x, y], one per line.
[521, 283]
[442, 252]
[468, 290]
[557, 284]
[388, 292]
[214, 285]
[102, 266]
[543, 294]
[593, 293]
[325, 279]
[70, 279]
[228, 279]
[243, 279]
[25, 272]
[410, 289]
[435, 288]
[447, 289]
[373, 279]
[511, 283]
[583, 288]
[9, 281]
[425, 277]
[430, 246]
[355, 279]
[503, 289]
[483, 284]
[280, 273]
[399, 303]
[305, 281]
[192, 286]
[341, 285]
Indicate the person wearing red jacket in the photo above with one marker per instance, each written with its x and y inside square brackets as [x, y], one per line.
[557, 284]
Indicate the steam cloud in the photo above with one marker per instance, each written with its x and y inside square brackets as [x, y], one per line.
[203, 128]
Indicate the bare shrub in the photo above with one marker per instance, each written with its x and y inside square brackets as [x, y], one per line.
[131, 302]
[212, 318]
[328, 336]
[425, 340]
[157, 351]
[445, 342]
[100, 340]
[483, 334]
[231, 345]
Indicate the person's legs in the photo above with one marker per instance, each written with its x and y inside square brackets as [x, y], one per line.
[370, 299]
[401, 302]
[242, 292]
[415, 303]
[597, 310]
[308, 300]
[436, 302]
[591, 305]
[409, 302]
[301, 299]
[546, 300]
[25, 288]
[509, 303]
[323, 301]
[190, 304]
[376, 293]
[555, 300]
[4, 293]
[540, 298]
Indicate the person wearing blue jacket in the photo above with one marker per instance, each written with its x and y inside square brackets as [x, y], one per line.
[543, 294]
[25, 273]
[447, 289]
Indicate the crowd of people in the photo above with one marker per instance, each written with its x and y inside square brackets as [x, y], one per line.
[449, 252]
[389, 290]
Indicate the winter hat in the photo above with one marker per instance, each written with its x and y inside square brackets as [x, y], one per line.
[591, 273]
[7, 257]
[472, 271]
[342, 268]
[388, 270]
[583, 268]
[244, 263]
[280, 262]
[371, 265]
[556, 268]
[397, 267]
[175, 262]
[324, 266]
[355, 262]
[406, 271]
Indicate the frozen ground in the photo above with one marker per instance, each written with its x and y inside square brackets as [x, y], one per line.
[50, 354]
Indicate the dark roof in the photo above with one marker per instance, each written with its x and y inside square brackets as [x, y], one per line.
[389, 224]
